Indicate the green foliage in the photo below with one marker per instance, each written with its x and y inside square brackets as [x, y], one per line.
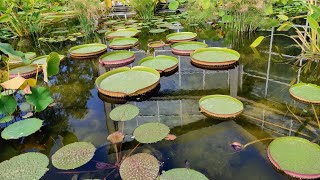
[151, 132]
[21, 128]
[8, 104]
[53, 63]
[8, 50]
[124, 112]
[40, 98]
[200, 11]
[144, 8]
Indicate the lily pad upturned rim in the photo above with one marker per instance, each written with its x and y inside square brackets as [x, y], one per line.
[109, 34]
[214, 64]
[302, 99]
[182, 173]
[217, 115]
[62, 57]
[169, 69]
[123, 46]
[139, 166]
[84, 55]
[156, 44]
[170, 39]
[185, 52]
[123, 69]
[287, 171]
[26, 74]
[120, 62]
[19, 60]
[151, 132]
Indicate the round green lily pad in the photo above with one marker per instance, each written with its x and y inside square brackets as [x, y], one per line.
[141, 166]
[124, 81]
[31, 165]
[22, 128]
[161, 63]
[123, 43]
[181, 36]
[87, 50]
[182, 174]
[117, 58]
[221, 106]
[295, 156]
[24, 71]
[73, 155]
[308, 93]
[130, 32]
[124, 112]
[214, 56]
[42, 59]
[155, 31]
[186, 48]
[151, 132]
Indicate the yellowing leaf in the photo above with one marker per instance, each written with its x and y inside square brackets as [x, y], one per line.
[285, 26]
[31, 82]
[283, 17]
[45, 73]
[257, 41]
[313, 23]
[108, 3]
[14, 83]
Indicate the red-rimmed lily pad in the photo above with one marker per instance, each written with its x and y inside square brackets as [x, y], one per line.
[182, 174]
[130, 32]
[123, 43]
[181, 36]
[87, 50]
[24, 71]
[126, 82]
[296, 157]
[186, 48]
[117, 58]
[307, 93]
[220, 106]
[151, 132]
[140, 166]
[42, 59]
[161, 63]
[73, 155]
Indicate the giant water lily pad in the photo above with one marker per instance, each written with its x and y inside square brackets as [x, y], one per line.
[73, 155]
[124, 81]
[22, 128]
[155, 31]
[182, 174]
[24, 71]
[31, 165]
[161, 63]
[214, 57]
[8, 104]
[295, 156]
[87, 50]
[151, 132]
[186, 48]
[40, 98]
[17, 60]
[130, 32]
[117, 58]
[43, 59]
[124, 112]
[181, 36]
[123, 43]
[140, 166]
[221, 106]
[309, 93]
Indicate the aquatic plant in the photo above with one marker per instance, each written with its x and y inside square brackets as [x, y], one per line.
[151, 132]
[31, 165]
[73, 155]
[182, 174]
[22, 128]
[124, 112]
[144, 8]
[161, 63]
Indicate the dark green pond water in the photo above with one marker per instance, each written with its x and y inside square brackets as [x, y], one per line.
[202, 143]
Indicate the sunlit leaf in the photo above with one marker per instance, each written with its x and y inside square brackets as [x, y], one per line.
[313, 23]
[40, 98]
[257, 42]
[8, 50]
[283, 17]
[285, 26]
[22, 128]
[53, 62]
[173, 5]
[14, 83]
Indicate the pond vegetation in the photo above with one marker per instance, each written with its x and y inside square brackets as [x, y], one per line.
[156, 89]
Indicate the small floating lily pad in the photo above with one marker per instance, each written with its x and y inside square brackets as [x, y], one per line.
[124, 112]
[181, 36]
[161, 63]
[24, 71]
[151, 132]
[139, 166]
[221, 106]
[308, 93]
[42, 59]
[117, 58]
[73, 155]
[295, 156]
[6, 119]
[31, 165]
[186, 48]
[156, 44]
[124, 81]
[182, 174]
[123, 43]
[214, 57]
[87, 50]
[155, 31]
[22, 128]
[130, 32]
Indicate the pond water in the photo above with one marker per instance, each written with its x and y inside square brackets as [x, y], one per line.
[203, 144]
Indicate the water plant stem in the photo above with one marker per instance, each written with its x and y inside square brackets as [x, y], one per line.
[133, 150]
[116, 149]
[316, 115]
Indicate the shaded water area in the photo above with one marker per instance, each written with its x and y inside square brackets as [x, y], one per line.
[203, 144]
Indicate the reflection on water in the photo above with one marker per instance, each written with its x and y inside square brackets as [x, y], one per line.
[82, 114]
